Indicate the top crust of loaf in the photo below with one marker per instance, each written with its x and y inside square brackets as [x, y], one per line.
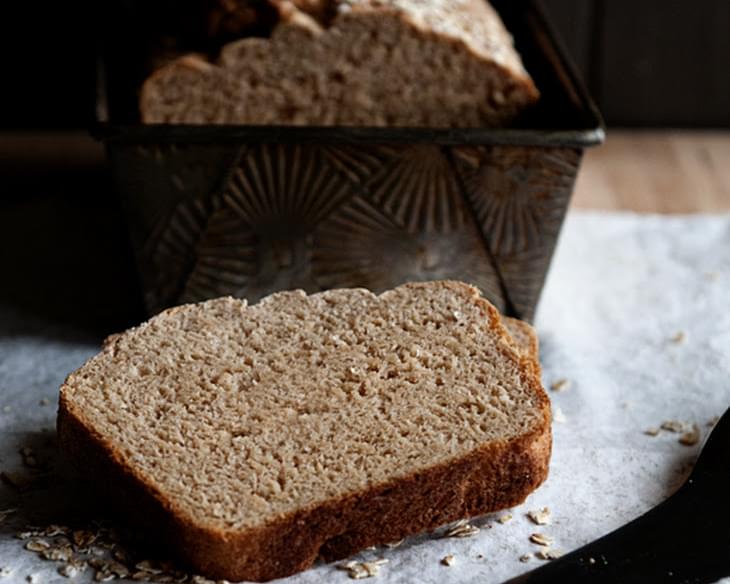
[233, 492]
[439, 63]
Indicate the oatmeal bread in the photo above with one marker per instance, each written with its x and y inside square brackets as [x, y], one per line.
[259, 438]
[410, 63]
[526, 340]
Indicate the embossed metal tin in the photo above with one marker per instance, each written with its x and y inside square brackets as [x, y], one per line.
[246, 211]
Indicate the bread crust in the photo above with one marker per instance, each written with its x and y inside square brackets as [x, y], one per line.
[494, 476]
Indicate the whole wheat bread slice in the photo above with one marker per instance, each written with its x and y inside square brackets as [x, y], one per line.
[257, 438]
[434, 63]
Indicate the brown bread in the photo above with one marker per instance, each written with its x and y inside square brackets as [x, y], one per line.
[434, 63]
[258, 438]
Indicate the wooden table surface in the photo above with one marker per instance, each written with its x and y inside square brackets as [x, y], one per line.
[657, 172]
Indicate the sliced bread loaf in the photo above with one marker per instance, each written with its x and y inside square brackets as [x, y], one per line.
[436, 63]
[261, 437]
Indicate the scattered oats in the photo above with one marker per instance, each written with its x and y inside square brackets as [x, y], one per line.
[54, 530]
[394, 544]
[461, 529]
[143, 576]
[525, 558]
[33, 578]
[713, 421]
[117, 568]
[5, 572]
[548, 554]
[505, 518]
[360, 570]
[559, 416]
[540, 516]
[83, 538]
[449, 560]
[44, 401]
[653, 431]
[591, 561]
[691, 436]
[541, 539]
[560, 385]
[58, 553]
[371, 548]
[73, 568]
[104, 576]
[673, 426]
[679, 337]
[149, 566]
[37, 545]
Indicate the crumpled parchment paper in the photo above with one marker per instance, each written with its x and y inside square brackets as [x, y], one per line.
[635, 317]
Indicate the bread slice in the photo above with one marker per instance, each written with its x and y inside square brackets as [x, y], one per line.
[433, 63]
[258, 438]
[525, 340]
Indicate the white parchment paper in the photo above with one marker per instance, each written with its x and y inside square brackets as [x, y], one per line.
[635, 315]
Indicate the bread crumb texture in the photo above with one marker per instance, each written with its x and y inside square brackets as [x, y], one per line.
[236, 417]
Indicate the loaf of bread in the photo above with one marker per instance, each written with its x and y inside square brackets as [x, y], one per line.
[408, 63]
[259, 438]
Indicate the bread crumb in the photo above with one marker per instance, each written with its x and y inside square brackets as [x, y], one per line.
[449, 560]
[560, 385]
[524, 558]
[559, 416]
[72, 569]
[679, 337]
[691, 436]
[653, 431]
[540, 516]
[548, 554]
[360, 570]
[462, 529]
[541, 539]
[37, 545]
[673, 426]
[33, 578]
[591, 561]
[505, 518]
[394, 544]
[5, 572]
[83, 538]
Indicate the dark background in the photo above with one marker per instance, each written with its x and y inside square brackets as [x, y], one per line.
[647, 62]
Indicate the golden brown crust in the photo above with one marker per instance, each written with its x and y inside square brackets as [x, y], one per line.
[497, 475]
[494, 477]
[527, 342]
